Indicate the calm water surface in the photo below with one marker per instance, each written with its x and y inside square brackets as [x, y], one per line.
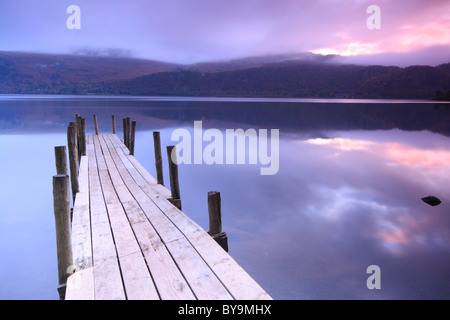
[347, 194]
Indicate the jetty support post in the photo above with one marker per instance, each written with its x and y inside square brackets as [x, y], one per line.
[61, 208]
[158, 157]
[215, 220]
[128, 132]
[83, 137]
[61, 160]
[78, 126]
[96, 124]
[124, 120]
[113, 124]
[173, 173]
[73, 157]
[132, 137]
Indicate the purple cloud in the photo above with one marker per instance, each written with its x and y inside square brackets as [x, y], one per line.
[199, 30]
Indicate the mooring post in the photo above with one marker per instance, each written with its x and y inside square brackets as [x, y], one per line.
[132, 137]
[113, 124]
[158, 157]
[215, 219]
[96, 124]
[124, 120]
[83, 136]
[73, 157]
[128, 127]
[61, 160]
[78, 126]
[173, 173]
[61, 208]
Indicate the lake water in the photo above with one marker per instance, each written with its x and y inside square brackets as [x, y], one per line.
[347, 194]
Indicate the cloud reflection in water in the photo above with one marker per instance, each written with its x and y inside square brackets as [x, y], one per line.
[341, 204]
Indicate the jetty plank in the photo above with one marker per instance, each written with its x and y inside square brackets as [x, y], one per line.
[167, 276]
[81, 285]
[81, 221]
[140, 168]
[130, 242]
[107, 278]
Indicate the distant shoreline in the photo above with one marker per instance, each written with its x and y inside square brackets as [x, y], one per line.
[28, 73]
[13, 96]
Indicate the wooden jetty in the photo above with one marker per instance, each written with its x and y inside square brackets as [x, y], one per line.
[129, 241]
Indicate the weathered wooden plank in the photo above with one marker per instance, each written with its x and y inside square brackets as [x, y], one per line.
[138, 282]
[164, 226]
[142, 171]
[101, 164]
[107, 280]
[107, 277]
[230, 273]
[82, 197]
[81, 223]
[142, 246]
[167, 277]
[122, 191]
[157, 198]
[118, 143]
[238, 282]
[200, 277]
[123, 234]
[182, 222]
[80, 285]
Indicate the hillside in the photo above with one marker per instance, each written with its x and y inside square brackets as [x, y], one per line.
[304, 75]
[290, 79]
[46, 73]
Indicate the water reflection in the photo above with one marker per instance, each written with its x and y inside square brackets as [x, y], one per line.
[347, 194]
[395, 177]
[350, 203]
[337, 206]
[27, 229]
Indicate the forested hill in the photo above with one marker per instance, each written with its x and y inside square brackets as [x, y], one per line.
[53, 74]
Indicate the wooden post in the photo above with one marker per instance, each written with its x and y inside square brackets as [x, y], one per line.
[124, 131]
[73, 157]
[132, 136]
[173, 173]
[96, 124]
[83, 136]
[128, 126]
[158, 157]
[214, 211]
[113, 124]
[215, 219]
[61, 160]
[78, 126]
[61, 208]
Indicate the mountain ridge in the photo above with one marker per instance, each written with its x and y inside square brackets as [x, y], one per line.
[292, 75]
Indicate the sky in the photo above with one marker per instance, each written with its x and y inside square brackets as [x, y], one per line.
[188, 31]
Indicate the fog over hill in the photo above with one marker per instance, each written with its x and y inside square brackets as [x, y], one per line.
[289, 75]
